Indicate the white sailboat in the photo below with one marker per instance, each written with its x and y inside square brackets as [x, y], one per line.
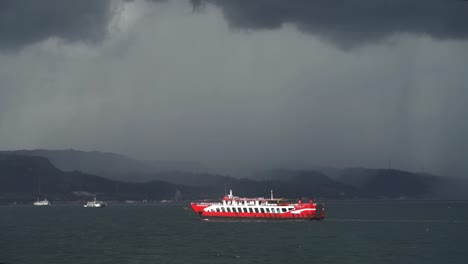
[44, 202]
[39, 202]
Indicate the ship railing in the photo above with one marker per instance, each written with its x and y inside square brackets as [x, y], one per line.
[207, 203]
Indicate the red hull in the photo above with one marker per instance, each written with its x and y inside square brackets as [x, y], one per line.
[313, 214]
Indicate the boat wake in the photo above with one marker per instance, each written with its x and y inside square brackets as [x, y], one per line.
[394, 220]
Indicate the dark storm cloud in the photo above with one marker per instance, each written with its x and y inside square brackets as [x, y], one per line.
[349, 23]
[24, 22]
[171, 84]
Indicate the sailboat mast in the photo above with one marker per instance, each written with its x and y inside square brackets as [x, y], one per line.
[38, 185]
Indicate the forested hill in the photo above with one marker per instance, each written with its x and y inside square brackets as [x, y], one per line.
[110, 165]
[25, 177]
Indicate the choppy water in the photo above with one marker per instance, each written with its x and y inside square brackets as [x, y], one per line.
[353, 232]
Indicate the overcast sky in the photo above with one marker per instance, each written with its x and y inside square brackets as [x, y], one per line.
[240, 84]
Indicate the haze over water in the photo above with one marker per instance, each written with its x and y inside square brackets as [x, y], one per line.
[240, 86]
[353, 232]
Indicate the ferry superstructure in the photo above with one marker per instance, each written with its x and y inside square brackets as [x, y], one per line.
[235, 207]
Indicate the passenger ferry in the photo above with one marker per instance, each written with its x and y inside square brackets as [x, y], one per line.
[95, 204]
[235, 207]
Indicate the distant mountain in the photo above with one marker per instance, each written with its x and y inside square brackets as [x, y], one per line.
[111, 165]
[387, 182]
[89, 162]
[26, 177]
[68, 172]
[391, 183]
[367, 183]
[308, 183]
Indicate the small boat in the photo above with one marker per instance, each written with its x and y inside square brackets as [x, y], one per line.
[44, 202]
[261, 208]
[95, 204]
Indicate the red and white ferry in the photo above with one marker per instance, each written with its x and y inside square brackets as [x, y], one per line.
[270, 208]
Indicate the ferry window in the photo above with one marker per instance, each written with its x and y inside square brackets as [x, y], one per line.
[262, 210]
[217, 209]
[250, 210]
[283, 210]
[256, 210]
[229, 209]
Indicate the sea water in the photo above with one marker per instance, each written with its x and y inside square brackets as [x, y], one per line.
[353, 232]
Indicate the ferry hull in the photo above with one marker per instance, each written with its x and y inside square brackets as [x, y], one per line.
[307, 212]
